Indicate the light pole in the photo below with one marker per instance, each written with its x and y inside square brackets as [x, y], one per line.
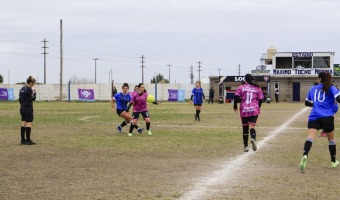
[169, 72]
[95, 70]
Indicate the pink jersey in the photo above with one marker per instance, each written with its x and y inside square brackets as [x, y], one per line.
[250, 97]
[139, 102]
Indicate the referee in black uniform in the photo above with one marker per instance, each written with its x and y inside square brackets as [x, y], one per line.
[26, 98]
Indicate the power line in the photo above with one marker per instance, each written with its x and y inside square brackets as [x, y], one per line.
[239, 70]
[219, 70]
[192, 74]
[199, 70]
[142, 68]
[44, 47]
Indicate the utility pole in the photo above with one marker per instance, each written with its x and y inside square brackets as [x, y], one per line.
[192, 74]
[239, 70]
[44, 47]
[61, 60]
[142, 68]
[199, 70]
[219, 74]
[169, 72]
[111, 75]
[95, 70]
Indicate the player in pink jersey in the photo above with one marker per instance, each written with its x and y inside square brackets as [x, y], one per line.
[250, 96]
[140, 107]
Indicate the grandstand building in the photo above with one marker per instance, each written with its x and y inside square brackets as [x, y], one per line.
[293, 73]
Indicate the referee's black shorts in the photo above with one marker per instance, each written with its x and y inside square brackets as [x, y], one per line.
[325, 123]
[26, 114]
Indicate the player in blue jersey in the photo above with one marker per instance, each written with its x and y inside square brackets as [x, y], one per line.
[197, 97]
[122, 100]
[323, 99]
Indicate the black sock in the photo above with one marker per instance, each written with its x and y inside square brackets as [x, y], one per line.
[131, 127]
[147, 126]
[197, 112]
[136, 127]
[245, 135]
[332, 150]
[253, 133]
[28, 133]
[308, 146]
[123, 124]
[23, 129]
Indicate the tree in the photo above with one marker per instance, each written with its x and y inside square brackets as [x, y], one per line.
[159, 78]
[1, 79]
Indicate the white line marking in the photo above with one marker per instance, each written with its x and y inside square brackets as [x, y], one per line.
[204, 186]
[87, 118]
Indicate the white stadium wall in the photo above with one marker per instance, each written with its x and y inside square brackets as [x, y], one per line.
[51, 92]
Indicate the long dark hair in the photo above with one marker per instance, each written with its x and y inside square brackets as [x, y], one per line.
[251, 80]
[141, 85]
[30, 79]
[326, 79]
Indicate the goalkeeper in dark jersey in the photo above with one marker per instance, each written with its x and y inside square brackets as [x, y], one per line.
[26, 98]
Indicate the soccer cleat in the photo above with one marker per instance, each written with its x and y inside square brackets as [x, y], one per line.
[323, 134]
[140, 130]
[253, 143]
[119, 128]
[149, 133]
[30, 142]
[303, 163]
[23, 142]
[196, 117]
[130, 134]
[334, 164]
[246, 149]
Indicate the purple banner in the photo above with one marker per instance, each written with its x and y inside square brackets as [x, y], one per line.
[173, 95]
[3, 94]
[86, 94]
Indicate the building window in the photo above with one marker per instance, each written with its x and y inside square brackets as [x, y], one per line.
[283, 63]
[276, 85]
[321, 62]
[303, 62]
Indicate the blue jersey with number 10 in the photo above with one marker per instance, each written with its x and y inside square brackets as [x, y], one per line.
[324, 104]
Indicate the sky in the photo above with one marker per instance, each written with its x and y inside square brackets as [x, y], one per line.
[221, 34]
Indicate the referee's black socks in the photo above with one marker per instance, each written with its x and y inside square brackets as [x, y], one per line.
[22, 131]
[28, 133]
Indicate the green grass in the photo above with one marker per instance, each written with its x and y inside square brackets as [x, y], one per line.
[80, 155]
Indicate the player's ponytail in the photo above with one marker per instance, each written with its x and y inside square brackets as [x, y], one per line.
[326, 79]
[30, 79]
[251, 80]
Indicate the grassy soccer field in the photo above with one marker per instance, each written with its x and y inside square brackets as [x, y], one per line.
[80, 155]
